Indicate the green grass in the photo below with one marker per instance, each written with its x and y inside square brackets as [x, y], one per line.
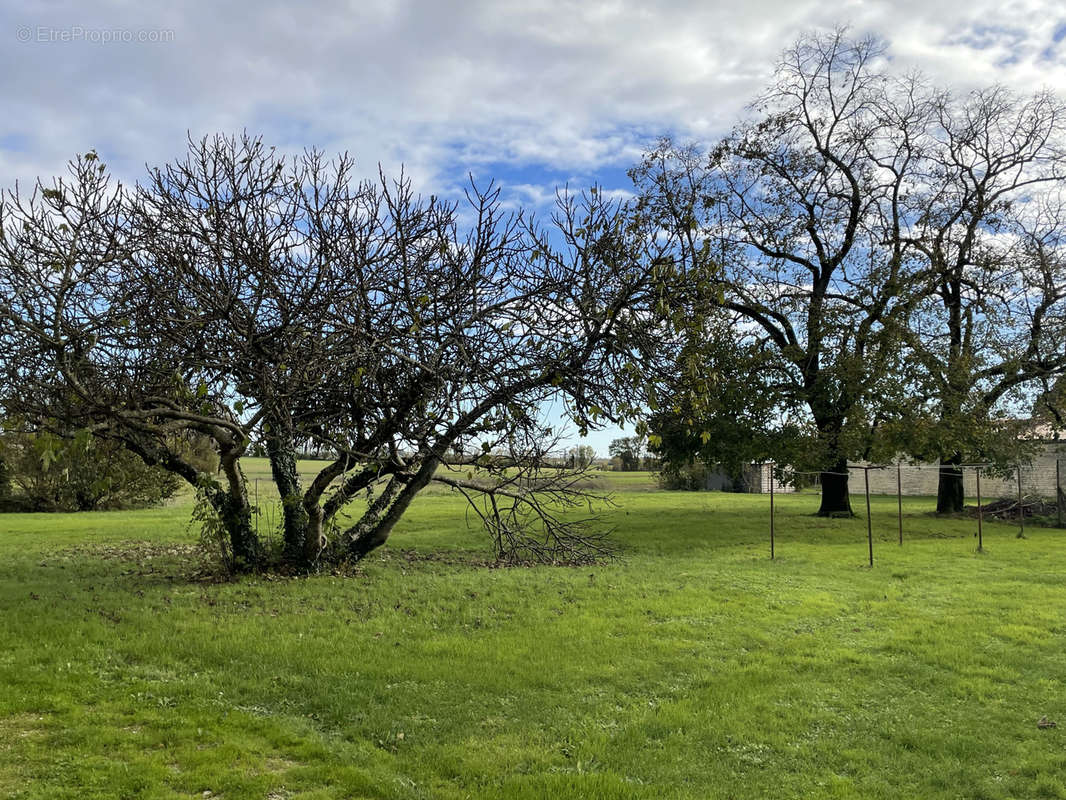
[693, 667]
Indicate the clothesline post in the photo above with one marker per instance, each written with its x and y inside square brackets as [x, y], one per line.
[869, 524]
[1021, 511]
[1058, 493]
[899, 501]
[771, 511]
[980, 514]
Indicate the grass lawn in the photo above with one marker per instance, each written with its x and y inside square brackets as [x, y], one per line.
[693, 667]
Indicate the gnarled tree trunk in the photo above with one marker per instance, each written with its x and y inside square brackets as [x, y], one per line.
[235, 512]
[302, 539]
[377, 523]
[236, 517]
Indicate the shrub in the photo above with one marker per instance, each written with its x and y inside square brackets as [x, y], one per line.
[47, 472]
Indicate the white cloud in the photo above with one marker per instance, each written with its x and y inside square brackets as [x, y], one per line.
[445, 87]
[565, 86]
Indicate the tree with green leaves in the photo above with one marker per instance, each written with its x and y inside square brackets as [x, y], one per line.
[722, 408]
[581, 456]
[5, 477]
[629, 451]
[892, 253]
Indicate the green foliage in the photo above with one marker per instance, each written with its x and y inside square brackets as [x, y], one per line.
[198, 451]
[724, 409]
[1001, 442]
[628, 450]
[894, 279]
[1050, 407]
[213, 538]
[5, 476]
[683, 476]
[79, 473]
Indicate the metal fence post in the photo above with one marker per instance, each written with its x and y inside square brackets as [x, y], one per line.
[869, 526]
[771, 511]
[1021, 511]
[1058, 492]
[980, 514]
[899, 502]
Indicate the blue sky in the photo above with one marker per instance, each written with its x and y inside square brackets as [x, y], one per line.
[533, 93]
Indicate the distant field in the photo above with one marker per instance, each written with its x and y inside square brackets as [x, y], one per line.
[258, 469]
[692, 667]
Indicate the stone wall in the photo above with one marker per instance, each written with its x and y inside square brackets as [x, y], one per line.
[1038, 478]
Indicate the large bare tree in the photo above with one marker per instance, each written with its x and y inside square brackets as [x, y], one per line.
[986, 219]
[240, 295]
[895, 249]
[791, 208]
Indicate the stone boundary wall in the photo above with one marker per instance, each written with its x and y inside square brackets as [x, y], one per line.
[1038, 478]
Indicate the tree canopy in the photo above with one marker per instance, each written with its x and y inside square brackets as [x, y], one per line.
[792, 207]
[865, 265]
[888, 259]
[985, 222]
[239, 295]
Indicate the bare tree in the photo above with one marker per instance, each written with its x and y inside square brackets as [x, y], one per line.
[241, 295]
[987, 221]
[895, 249]
[789, 207]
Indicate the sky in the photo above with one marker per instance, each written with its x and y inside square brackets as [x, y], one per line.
[534, 94]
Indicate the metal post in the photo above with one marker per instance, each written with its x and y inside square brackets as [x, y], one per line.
[980, 513]
[257, 506]
[1058, 492]
[899, 502]
[1021, 512]
[771, 511]
[869, 526]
